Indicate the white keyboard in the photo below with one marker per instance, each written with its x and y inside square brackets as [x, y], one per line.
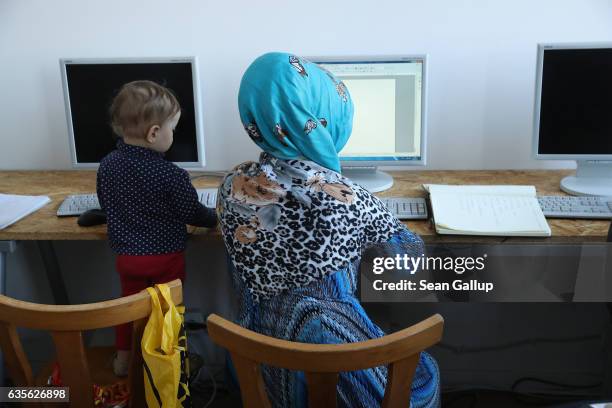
[404, 208]
[77, 204]
[208, 197]
[407, 208]
[576, 207]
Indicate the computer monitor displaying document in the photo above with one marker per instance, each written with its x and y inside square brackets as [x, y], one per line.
[573, 107]
[389, 121]
[91, 84]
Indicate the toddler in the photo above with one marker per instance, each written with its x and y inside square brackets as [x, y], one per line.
[147, 199]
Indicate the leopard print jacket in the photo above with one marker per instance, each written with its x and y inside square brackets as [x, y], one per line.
[288, 223]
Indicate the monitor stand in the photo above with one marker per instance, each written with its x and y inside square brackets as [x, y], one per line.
[369, 178]
[592, 178]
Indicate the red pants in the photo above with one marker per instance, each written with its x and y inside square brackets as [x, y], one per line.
[137, 272]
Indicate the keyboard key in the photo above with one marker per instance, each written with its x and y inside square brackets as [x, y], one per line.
[576, 207]
[406, 207]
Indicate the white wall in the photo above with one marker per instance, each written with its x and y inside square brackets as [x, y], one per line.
[482, 63]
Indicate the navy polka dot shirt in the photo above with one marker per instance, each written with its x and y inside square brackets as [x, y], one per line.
[148, 200]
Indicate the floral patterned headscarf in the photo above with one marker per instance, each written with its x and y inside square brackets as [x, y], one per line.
[292, 108]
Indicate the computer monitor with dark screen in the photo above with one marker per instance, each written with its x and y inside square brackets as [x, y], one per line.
[89, 88]
[573, 115]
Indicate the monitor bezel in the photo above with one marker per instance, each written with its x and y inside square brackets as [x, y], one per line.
[388, 161]
[542, 47]
[192, 60]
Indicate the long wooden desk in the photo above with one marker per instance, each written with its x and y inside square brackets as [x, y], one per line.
[44, 225]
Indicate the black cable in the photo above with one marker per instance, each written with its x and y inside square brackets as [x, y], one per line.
[473, 394]
[533, 399]
[467, 349]
[210, 388]
[485, 388]
[555, 383]
[541, 399]
[195, 325]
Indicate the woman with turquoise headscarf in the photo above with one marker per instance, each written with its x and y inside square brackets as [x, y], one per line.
[296, 229]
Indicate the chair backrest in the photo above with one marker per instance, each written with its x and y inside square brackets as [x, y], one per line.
[321, 363]
[66, 324]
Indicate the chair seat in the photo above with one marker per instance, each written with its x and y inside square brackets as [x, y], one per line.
[100, 360]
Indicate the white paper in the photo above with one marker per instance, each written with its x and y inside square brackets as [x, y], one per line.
[514, 190]
[487, 210]
[15, 207]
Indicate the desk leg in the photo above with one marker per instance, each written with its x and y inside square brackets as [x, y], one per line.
[55, 278]
[54, 274]
[6, 247]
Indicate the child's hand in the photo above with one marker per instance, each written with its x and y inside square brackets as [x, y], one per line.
[205, 217]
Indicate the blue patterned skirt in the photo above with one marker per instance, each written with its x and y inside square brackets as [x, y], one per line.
[327, 312]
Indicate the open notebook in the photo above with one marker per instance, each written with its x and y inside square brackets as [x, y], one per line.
[487, 210]
[15, 207]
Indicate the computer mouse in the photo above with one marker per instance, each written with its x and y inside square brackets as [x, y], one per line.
[92, 217]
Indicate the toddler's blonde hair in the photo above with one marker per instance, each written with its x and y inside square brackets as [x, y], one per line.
[140, 105]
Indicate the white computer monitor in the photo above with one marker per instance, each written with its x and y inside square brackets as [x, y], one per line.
[573, 110]
[389, 126]
[90, 85]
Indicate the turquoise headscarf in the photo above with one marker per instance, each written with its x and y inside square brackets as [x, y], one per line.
[292, 109]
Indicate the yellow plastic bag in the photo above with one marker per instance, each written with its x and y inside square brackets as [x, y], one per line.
[164, 353]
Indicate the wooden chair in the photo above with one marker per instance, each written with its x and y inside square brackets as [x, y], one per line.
[322, 362]
[80, 367]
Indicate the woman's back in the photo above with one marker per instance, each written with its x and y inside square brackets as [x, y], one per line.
[302, 220]
[295, 228]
